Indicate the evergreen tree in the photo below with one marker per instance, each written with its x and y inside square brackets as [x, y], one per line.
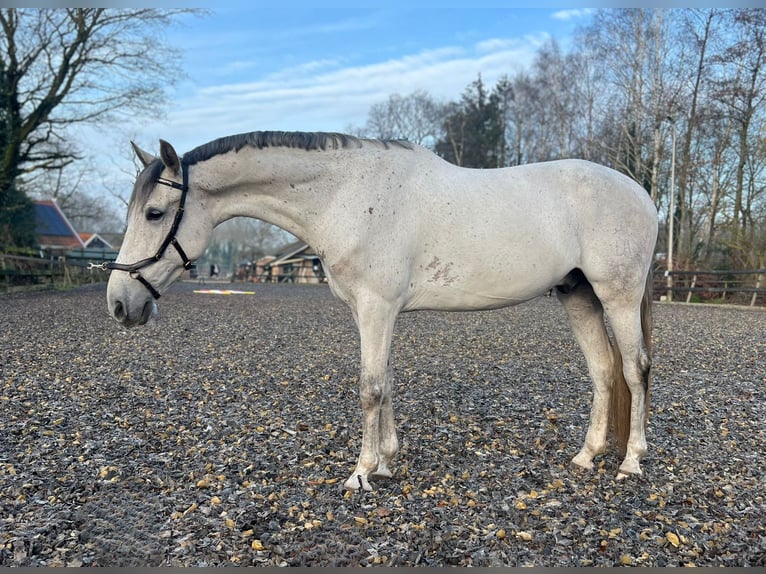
[474, 129]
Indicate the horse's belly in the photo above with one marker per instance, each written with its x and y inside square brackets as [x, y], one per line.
[442, 300]
[447, 292]
[476, 279]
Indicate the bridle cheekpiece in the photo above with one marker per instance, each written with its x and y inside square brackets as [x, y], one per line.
[170, 239]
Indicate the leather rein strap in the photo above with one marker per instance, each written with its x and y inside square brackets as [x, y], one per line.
[170, 238]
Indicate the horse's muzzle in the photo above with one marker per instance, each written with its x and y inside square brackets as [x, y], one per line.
[126, 319]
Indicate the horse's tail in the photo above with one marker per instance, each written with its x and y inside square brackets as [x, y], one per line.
[621, 399]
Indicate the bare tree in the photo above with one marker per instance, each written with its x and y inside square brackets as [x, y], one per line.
[718, 178]
[556, 83]
[67, 66]
[620, 40]
[743, 92]
[520, 122]
[416, 118]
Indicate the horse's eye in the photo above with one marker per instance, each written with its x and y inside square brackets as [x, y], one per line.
[154, 214]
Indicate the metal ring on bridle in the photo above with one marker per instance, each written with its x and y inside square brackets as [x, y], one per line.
[170, 238]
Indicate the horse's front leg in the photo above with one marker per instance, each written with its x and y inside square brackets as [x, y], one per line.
[388, 444]
[379, 442]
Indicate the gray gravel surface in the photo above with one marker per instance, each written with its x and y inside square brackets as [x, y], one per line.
[221, 435]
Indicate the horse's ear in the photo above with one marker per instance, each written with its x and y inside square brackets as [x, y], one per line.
[145, 157]
[169, 156]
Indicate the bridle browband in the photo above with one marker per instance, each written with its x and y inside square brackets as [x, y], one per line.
[170, 238]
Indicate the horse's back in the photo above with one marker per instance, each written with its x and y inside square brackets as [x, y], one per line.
[564, 188]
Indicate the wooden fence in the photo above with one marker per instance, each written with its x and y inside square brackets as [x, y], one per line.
[746, 287]
[20, 272]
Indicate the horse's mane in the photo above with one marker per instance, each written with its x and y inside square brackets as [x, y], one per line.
[299, 140]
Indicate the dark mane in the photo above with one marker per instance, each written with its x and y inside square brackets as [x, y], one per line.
[299, 140]
[147, 179]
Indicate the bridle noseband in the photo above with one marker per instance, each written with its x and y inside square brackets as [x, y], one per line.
[170, 238]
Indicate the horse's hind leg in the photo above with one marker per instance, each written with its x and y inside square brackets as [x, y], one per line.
[379, 441]
[586, 316]
[628, 329]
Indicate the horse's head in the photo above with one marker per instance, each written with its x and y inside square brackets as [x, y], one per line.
[167, 229]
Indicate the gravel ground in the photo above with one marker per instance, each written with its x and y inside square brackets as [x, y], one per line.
[221, 435]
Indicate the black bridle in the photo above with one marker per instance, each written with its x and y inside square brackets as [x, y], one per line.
[170, 238]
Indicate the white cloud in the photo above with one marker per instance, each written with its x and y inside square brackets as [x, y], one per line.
[325, 95]
[494, 45]
[572, 14]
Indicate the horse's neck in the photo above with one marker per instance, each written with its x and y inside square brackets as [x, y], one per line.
[287, 187]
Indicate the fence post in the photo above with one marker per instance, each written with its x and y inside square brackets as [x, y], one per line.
[669, 285]
[757, 286]
[691, 287]
[67, 275]
[669, 277]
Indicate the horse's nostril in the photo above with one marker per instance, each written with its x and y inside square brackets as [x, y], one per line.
[146, 314]
[119, 311]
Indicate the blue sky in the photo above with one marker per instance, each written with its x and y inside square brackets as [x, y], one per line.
[254, 65]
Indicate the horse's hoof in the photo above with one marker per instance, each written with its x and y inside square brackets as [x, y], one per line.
[624, 473]
[627, 468]
[583, 461]
[357, 481]
[382, 472]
